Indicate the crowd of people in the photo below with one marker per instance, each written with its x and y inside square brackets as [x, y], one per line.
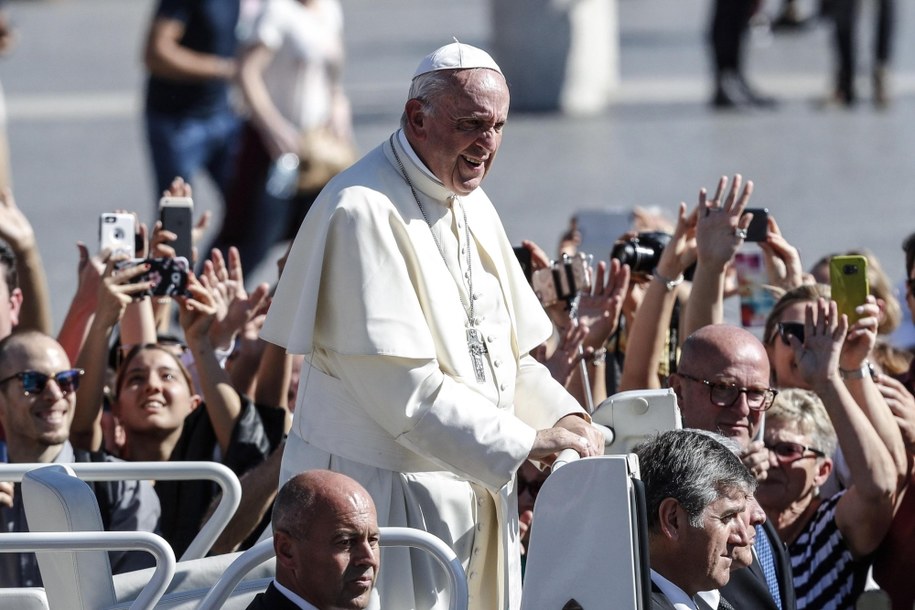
[404, 349]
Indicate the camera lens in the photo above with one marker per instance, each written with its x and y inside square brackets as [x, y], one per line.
[119, 233]
[641, 252]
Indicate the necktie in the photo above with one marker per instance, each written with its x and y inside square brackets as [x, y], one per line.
[723, 604]
[767, 563]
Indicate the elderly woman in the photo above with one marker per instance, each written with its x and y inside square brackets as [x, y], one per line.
[830, 540]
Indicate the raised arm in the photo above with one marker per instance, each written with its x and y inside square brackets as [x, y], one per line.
[197, 313]
[865, 511]
[649, 328]
[16, 230]
[114, 295]
[720, 230]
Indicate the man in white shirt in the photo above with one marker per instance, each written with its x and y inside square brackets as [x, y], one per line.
[696, 495]
[325, 532]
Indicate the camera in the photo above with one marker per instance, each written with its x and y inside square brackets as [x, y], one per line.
[562, 280]
[641, 252]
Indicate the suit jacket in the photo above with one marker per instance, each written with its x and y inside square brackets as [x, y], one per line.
[271, 599]
[747, 588]
[659, 601]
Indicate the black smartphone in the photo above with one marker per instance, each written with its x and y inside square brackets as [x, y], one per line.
[168, 275]
[524, 258]
[176, 215]
[759, 226]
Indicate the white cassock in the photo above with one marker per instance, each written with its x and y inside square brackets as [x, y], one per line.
[388, 393]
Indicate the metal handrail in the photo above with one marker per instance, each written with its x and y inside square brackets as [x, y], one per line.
[104, 541]
[166, 471]
[390, 536]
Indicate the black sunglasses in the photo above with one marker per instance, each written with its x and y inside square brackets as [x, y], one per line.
[34, 382]
[794, 329]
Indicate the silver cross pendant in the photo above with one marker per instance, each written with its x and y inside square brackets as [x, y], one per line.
[477, 349]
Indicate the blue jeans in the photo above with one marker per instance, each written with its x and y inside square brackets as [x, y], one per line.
[183, 146]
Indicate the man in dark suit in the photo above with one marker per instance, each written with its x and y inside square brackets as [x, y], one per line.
[697, 494]
[722, 386]
[325, 532]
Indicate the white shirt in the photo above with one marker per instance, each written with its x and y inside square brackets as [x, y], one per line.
[295, 599]
[674, 594]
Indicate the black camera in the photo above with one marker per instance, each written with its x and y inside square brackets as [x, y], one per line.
[641, 252]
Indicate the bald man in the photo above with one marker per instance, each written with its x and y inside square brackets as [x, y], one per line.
[325, 533]
[722, 385]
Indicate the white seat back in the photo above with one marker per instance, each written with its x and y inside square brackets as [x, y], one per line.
[24, 598]
[589, 509]
[635, 416]
[56, 501]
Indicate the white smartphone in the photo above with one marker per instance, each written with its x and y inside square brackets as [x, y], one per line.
[176, 214]
[117, 232]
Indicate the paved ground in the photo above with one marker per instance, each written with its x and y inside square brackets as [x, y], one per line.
[833, 179]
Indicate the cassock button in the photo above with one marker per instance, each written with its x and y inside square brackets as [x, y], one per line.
[503, 387]
[497, 363]
[491, 338]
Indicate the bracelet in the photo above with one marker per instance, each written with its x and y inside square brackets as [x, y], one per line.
[599, 356]
[866, 369]
[669, 284]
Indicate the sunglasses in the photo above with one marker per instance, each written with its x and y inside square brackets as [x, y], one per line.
[791, 452]
[34, 382]
[790, 329]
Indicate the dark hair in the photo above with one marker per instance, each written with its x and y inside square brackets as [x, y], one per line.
[692, 468]
[909, 246]
[136, 349]
[8, 262]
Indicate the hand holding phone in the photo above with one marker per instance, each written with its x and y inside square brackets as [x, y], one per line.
[168, 276]
[848, 283]
[117, 232]
[176, 214]
[759, 225]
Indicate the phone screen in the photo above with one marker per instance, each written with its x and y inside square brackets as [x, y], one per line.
[177, 219]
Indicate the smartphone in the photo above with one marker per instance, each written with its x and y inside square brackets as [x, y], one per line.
[176, 214]
[168, 275]
[759, 226]
[524, 258]
[117, 232]
[848, 281]
[755, 300]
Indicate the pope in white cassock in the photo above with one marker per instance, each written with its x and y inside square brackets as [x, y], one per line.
[416, 320]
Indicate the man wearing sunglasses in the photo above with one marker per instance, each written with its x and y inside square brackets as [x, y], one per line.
[37, 397]
[722, 385]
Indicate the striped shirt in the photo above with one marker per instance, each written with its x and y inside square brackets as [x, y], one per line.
[826, 575]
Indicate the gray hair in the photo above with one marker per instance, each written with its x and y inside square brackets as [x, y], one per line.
[691, 467]
[805, 410]
[429, 87]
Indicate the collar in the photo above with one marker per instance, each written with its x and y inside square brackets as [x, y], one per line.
[423, 180]
[295, 599]
[674, 594]
[710, 597]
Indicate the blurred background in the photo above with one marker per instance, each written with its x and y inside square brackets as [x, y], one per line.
[834, 178]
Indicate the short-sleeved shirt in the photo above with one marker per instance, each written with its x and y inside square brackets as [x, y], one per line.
[209, 28]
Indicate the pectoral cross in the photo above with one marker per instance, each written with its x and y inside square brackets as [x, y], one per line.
[477, 349]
